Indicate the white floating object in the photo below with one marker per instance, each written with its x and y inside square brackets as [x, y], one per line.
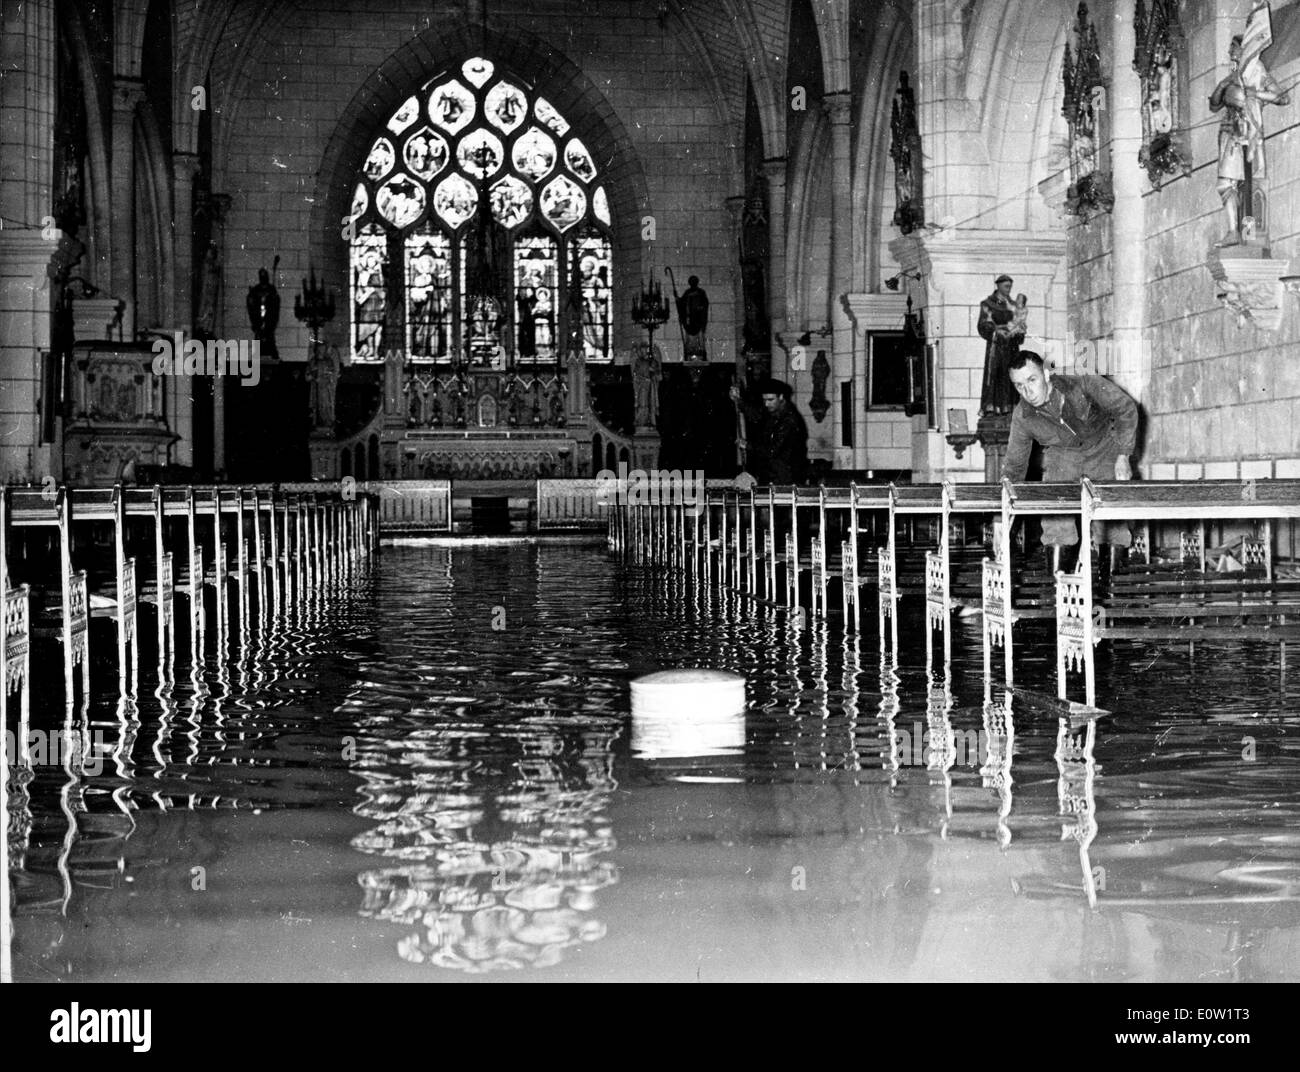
[680, 713]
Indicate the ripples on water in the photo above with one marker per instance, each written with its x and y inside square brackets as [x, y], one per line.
[430, 773]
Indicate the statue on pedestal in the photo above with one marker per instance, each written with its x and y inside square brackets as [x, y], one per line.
[1002, 324]
[324, 376]
[646, 373]
[693, 315]
[264, 311]
[1241, 97]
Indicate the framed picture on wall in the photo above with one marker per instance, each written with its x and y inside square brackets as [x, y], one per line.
[888, 370]
[899, 374]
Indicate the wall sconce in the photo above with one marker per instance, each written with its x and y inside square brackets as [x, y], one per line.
[959, 434]
[892, 282]
[806, 338]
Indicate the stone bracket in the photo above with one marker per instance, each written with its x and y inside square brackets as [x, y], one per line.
[1249, 282]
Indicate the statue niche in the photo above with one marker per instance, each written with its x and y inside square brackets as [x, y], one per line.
[1158, 62]
[1090, 190]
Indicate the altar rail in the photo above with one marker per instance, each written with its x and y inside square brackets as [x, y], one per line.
[411, 507]
[573, 504]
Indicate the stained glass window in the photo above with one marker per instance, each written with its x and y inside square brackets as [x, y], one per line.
[594, 266]
[476, 158]
[428, 295]
[369, 300]
[536, 284]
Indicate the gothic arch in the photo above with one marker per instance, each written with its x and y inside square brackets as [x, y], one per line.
[809, 181]
[891, 51]
[1013, 45]
[545, 68]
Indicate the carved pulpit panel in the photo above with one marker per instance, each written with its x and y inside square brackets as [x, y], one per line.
[116, 412]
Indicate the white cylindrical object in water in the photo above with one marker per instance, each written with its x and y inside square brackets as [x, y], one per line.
[680, 713]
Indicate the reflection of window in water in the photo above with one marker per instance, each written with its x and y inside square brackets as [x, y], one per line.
[518, 900]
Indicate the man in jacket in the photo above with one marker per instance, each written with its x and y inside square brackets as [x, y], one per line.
[777, 445]
[1087, 427]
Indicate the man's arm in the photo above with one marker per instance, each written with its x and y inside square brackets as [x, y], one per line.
[984, 325]
[1216, 96]
[1015, 464]
[1122, 409]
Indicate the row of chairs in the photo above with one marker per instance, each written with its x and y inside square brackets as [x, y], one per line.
[766, 542]
[119, 547]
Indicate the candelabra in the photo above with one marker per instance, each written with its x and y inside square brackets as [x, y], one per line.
[314, 307]
[650, 310]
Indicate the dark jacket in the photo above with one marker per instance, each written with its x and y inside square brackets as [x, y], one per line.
[778, 444]
[1097, 423]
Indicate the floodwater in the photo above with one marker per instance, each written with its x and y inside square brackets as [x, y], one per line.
[435, 774]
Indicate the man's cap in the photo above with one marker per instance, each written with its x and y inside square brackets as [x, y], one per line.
[774, 387]
[1003, 278]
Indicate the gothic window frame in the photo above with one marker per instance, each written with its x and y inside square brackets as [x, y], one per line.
[477, 137]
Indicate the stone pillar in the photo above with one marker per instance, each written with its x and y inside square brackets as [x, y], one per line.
[774, 171]
[736, 210]
[882, 439]
[957, 272]
[1131, 368]
[127, 93]
[219, 424]
[846, 363]
[28, 237]
[185, 167]
[957, 190]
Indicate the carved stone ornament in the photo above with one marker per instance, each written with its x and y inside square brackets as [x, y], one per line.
[1158, 60]
[1250, 286]
[819, 404]
[905, 148]
[1085, 96]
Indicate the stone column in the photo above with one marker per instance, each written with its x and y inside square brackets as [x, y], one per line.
[185, 167]
[127, 93]
[27, 235]
[883, 438]
[957, 272]
[846, 361]
[956, 160]
[736, 210]
[774, 171]
[1131, 368]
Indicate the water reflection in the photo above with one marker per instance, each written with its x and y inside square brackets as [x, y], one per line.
[1077, 770]
[995, 771]
[471, 781]
[504, 858]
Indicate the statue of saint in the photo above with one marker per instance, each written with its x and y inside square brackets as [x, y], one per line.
[1002, 324]
[264, 312]
[324, 374]
[646, 371]
[526, 323]
[693, 313]
[1241, 97]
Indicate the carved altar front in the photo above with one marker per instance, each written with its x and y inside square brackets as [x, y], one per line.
[473, 423]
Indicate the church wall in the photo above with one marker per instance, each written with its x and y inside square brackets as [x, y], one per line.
[1224, 398]
[304, 81]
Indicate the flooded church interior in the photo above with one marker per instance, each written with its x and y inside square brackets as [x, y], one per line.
[676, 490]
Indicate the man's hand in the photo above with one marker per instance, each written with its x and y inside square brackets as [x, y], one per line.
[734, 393]
[1123, 470]
[743, 444]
